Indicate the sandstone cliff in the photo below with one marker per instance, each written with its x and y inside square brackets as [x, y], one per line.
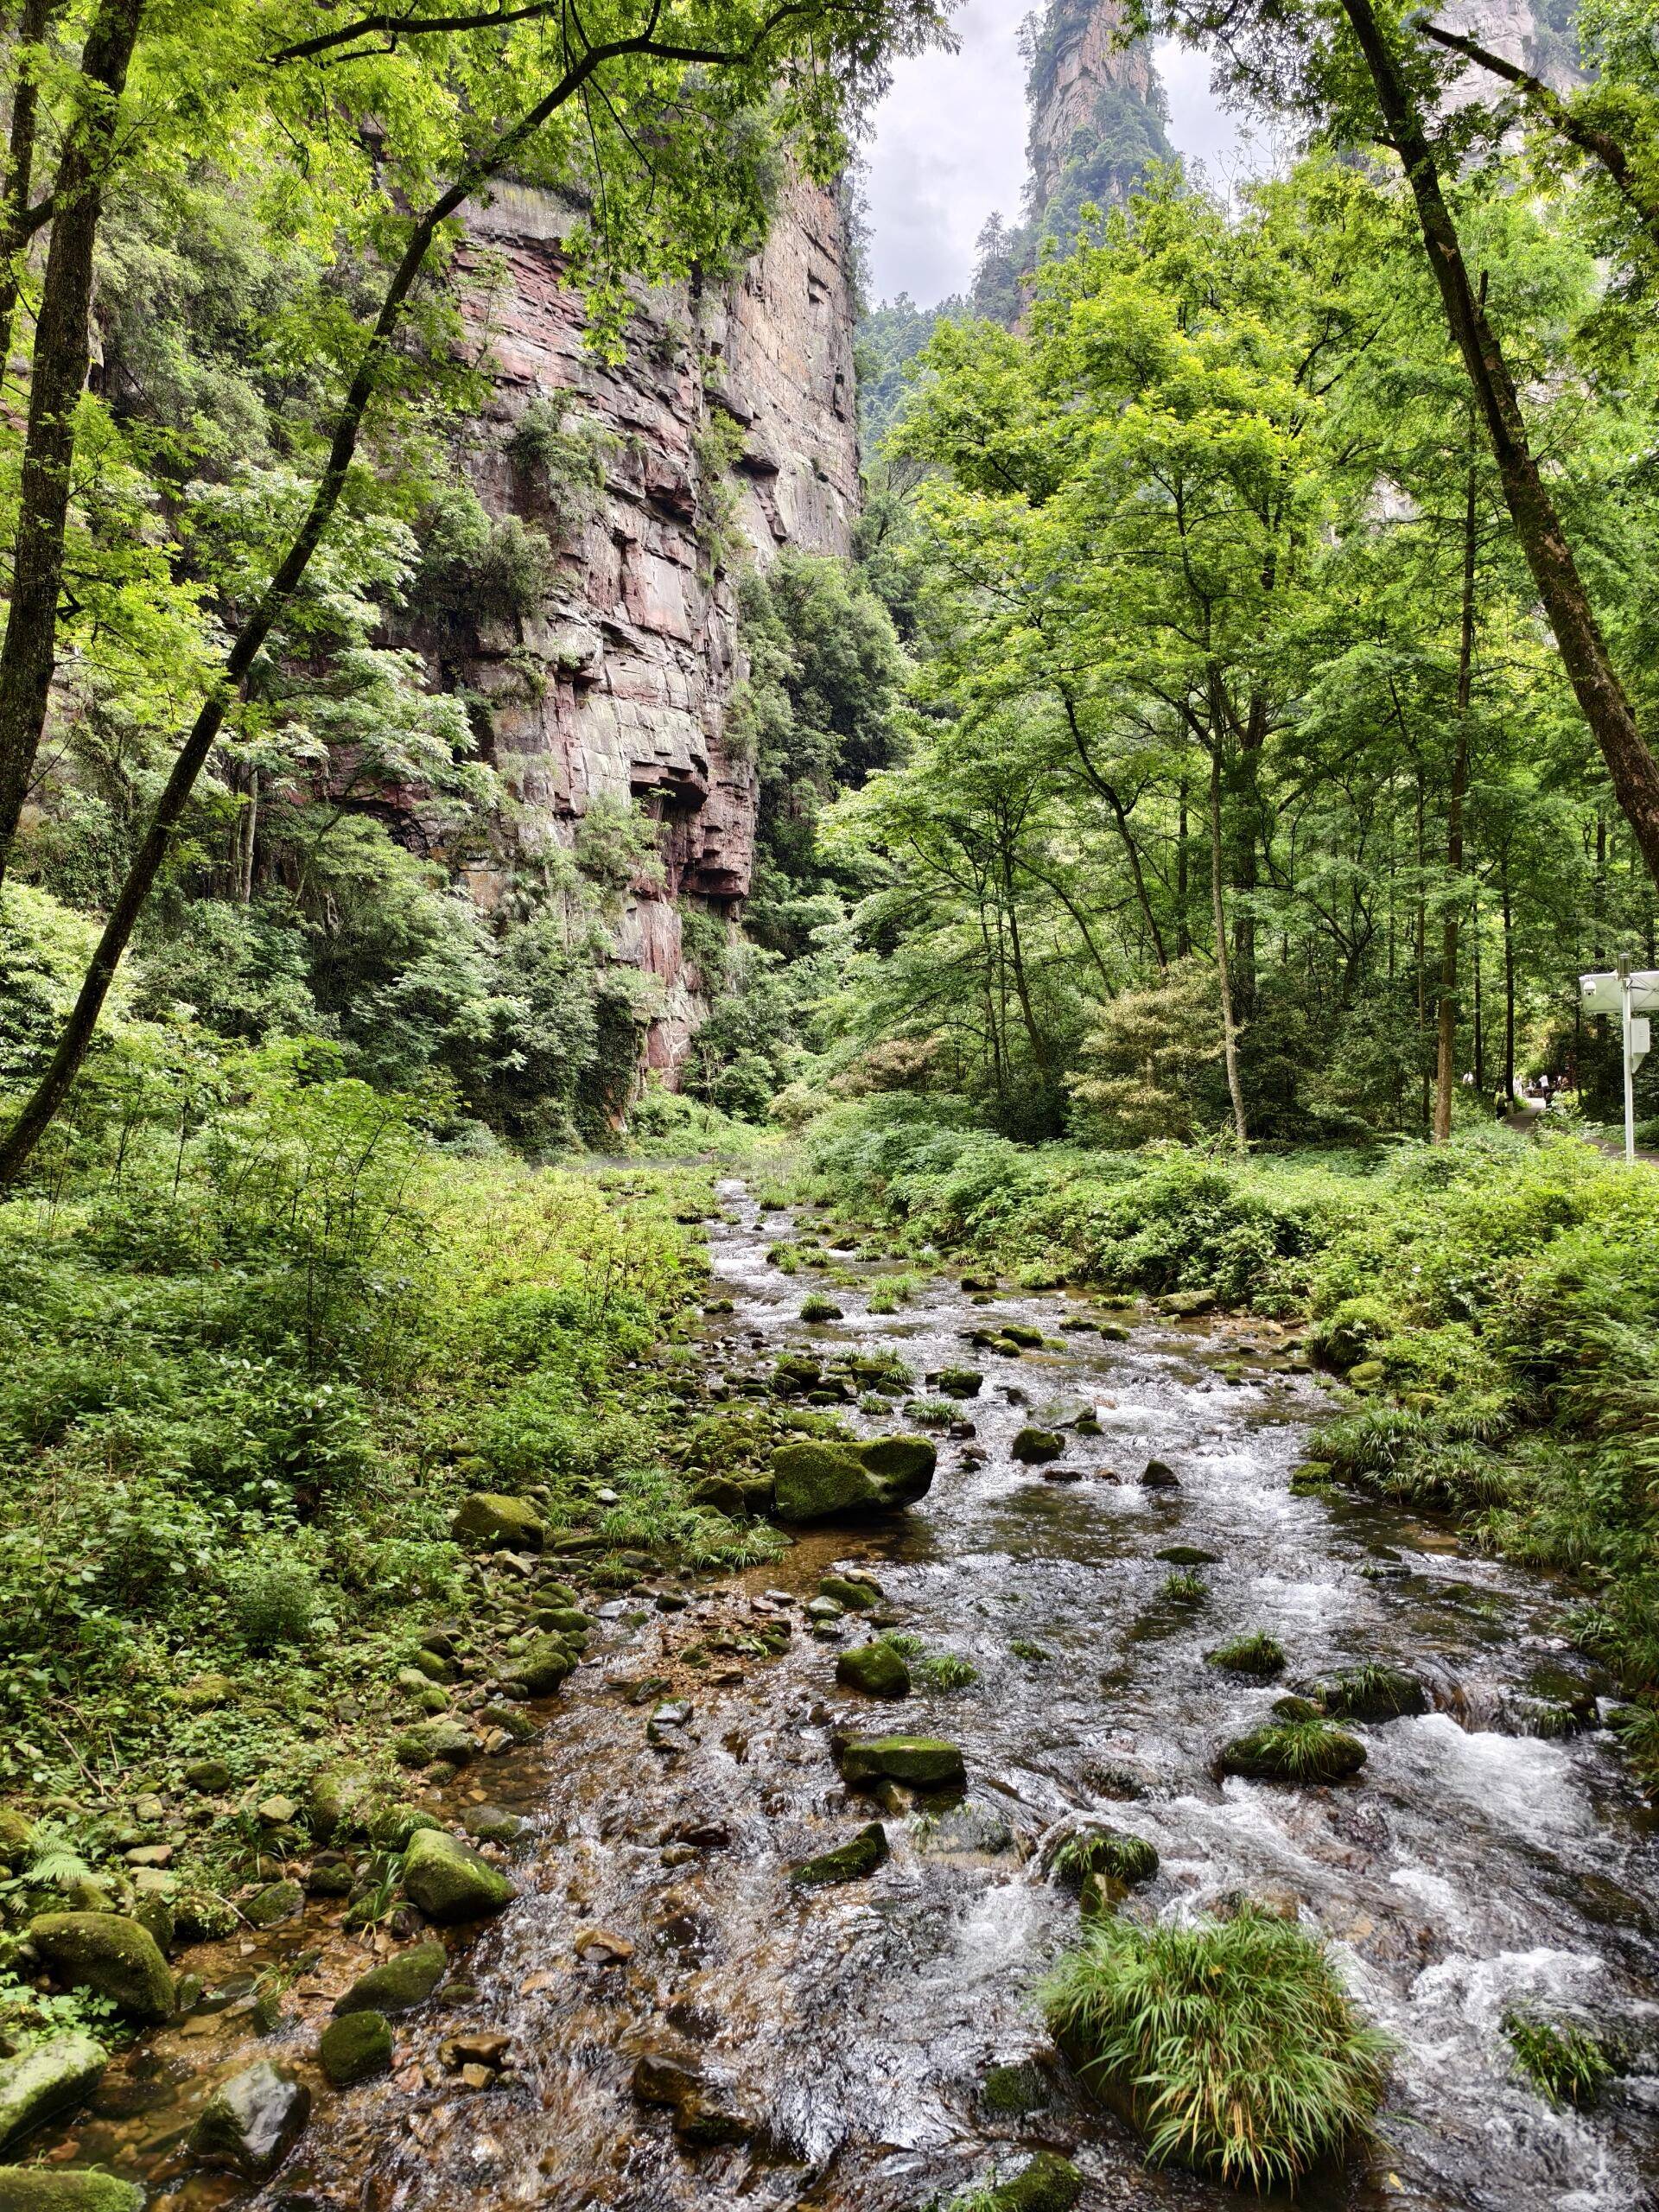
[733, 416]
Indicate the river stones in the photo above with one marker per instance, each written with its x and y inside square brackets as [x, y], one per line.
[493, 1824]
[853, 1861]
[1371, 1692]
[821, 1482]
[1158, 1474]
[111, 1953]
[924, 1762]
[492, 1523]
[1188, 1555]
[449, 1881]
[252, 2121]
[876, 1669]
[1022, 1335]
[46, 2078]
[397, 1983]
[1047, 2182]
[1033, 1447]
[355, 2047]
[1293, 1752]
[816, 1308]
[62, 2189]
[959, 1382]
[1188, 1301]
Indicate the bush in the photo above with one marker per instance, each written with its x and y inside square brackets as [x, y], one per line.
[1234, 2046]
[1564, 2059]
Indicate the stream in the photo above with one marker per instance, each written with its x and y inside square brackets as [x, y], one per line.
[1471, 1866]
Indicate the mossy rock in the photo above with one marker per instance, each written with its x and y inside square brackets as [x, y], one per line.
[493, 1523]
[67, 2188]
[355, 2047]
[857, 1597]
[339, 1803]
[874, 1668]
[110, 1954]
[959, 1382]
[202, 1916]
[276, 1902]
[450, 1882]
[439, 1738]
[1373, 1694]
[1022, 1335]
[1048, 2184]
[795, 1372]
[924, 1762]
[1188, 1555]
[1289, 1751]
[1189, 1301]
[1034, 1447]
[544, 1665]
[397, 1983]
[45, 2078]
[16, 1840]
[814, 1308]
[824, 1481]
[853, 1861]
[1013, 2090]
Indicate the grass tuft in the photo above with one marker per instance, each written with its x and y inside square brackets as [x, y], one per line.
[1233, 2047]
[1259, 1654]
[1565, 2061]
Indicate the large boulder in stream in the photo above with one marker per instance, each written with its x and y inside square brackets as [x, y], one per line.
[924, 1762]
[108, 1952]
[876, 1669]
[450, 1881]
[65, 2188]
[824, 1482]
[354, 2048]
[46, 2078]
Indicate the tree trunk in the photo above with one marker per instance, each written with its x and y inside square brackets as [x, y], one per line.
[1229, 1030]
[1183, 928]
[1446, 1025]
[1606, 706]
[1509, 990]
[1246, 829]
[16, 229]
[1480, 1011]
[62, 353]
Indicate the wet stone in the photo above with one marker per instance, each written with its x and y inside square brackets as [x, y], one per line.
[354, 2046]
[252, 2121]
[876, 1669]
[45, 2078]
[62, 2189]
[853, 1861]
[1158, 1474]
[925, 1761]
[1032, 1446]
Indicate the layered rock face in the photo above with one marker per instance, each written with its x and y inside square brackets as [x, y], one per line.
[1081, 60]
[731, 418]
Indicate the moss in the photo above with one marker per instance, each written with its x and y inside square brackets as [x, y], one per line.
[1293, 1750]
[853, 1861]
[108, 1952]
[450, 1882]
[1258, 1654]
[397, 1983]
[354, 2046]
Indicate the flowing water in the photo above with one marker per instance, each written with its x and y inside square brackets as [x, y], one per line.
[1470, 1867]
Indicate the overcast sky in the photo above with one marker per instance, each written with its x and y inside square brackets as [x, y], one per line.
[948, 149]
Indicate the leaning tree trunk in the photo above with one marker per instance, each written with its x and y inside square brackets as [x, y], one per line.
[1601, 695]
[16, 226]
[62, 355]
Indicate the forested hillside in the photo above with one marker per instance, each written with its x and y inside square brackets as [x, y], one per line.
[826, 1373]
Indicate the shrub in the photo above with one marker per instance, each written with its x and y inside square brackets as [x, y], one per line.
[1233, 2046]
[275, 1605]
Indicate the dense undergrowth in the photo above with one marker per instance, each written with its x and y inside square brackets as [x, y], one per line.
[1493, 1304]
[248, 1366]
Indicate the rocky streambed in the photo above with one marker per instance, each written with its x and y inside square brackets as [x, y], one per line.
[667, 2016]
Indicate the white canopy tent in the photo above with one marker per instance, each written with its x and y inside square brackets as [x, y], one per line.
[1633, 994]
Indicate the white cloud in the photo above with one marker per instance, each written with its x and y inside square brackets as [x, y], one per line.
[947, 148]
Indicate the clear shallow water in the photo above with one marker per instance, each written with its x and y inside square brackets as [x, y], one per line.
[1468, 1869]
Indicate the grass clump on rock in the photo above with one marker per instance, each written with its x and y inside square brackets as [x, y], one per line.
[1565, 2061]
[1293, 1750]
[1232, 2048]
[1259, 1654]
